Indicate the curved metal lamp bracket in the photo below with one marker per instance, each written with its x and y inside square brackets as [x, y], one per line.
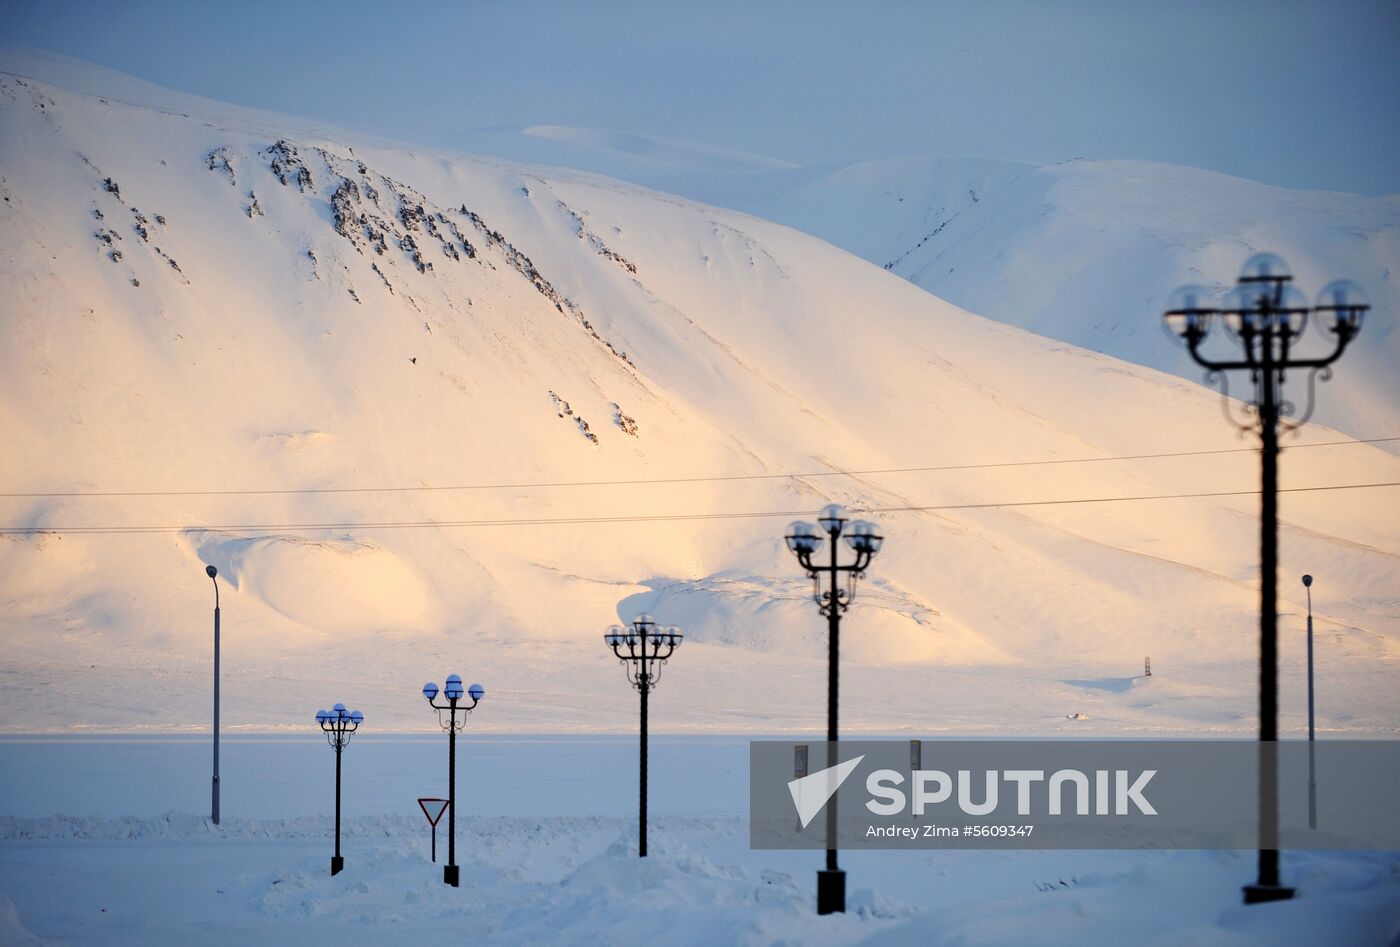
[1220, 379]
[1323, 372]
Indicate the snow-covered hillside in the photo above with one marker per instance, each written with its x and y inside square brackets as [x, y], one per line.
[1083, 251]
[204, 306]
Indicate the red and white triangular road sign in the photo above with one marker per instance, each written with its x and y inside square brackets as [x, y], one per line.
[433, 809]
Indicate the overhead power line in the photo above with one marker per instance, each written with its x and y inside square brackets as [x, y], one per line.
[651, 518]
[540, 485]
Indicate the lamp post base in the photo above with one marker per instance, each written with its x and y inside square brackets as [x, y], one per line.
[449, 875]
[337, 864]
[1259, 894]
[831, 892]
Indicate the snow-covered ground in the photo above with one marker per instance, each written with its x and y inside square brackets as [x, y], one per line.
[547, 841]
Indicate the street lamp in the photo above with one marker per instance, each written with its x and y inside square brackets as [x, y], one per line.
[647, 645]
[1264, 316]
[452, 691]
[804, 539]
[1312, 730]
[338, 724]
[213, 577]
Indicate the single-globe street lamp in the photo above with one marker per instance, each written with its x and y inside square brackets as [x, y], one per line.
[1312, 728]
[338, 724]
[1264, 316]
[213, 577]
[643, 648]
[804, 539]
[448, 719]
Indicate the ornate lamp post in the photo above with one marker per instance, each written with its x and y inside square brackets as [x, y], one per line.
[643, 648]
[804, 540]
[449, 721]
[1264, 316]
[213, 574]
[338, 724]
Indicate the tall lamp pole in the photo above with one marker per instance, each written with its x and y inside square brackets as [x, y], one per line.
[804, 540]
[452, 691]
[1265, 315]
[647, 645]
[1312, 722]
[338, 724]
[213, 577]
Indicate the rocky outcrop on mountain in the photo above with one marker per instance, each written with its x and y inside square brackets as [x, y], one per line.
[564, 410]
[628, 424]
[593, 240]
[375, 212]
[287, 164]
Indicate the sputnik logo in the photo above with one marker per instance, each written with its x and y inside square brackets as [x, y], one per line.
[811, 793]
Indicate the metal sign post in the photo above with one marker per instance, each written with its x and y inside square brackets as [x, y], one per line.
[799, 769]
[427, 805]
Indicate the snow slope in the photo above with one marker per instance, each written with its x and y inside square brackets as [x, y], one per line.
[1084, 251]
[200, 298]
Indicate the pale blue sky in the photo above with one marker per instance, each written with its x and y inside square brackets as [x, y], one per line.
[1303, 94]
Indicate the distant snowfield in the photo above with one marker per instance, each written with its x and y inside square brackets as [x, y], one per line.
[203, 298]
[547, 844]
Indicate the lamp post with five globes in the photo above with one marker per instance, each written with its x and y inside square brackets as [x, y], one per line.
[803, 539]
[452, 690]
[338, 724]
[1265, 316]
[647, 646]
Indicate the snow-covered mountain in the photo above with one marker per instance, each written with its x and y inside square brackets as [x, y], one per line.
[1083, 251]
[204, 306]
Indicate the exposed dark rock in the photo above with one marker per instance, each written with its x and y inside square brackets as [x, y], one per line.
[287, 164]
[628, 424]
[409, 246]
[342, 207]
[218, 160]
[563, 410]
[412, 216]
[596, 242]
[375, 267]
